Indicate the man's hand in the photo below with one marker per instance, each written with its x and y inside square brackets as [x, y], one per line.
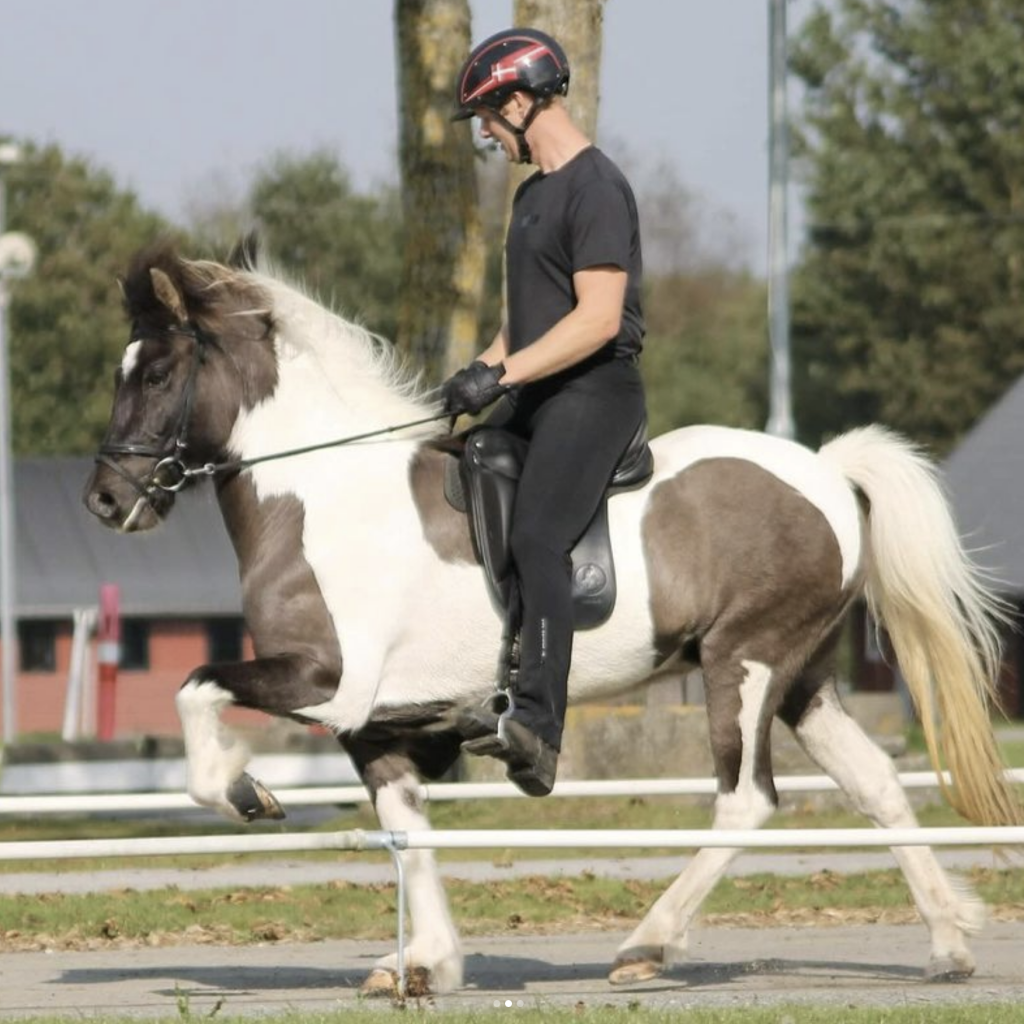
[473, 388]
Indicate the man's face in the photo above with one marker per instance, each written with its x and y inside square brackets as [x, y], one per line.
[492, 128]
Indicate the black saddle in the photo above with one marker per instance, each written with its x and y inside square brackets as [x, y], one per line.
[485, 487]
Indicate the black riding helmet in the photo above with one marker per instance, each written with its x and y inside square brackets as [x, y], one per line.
[518, 59]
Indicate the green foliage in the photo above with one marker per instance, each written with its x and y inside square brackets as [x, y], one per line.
[705, 354]
[67, 330]
[344, 246]
[339, 909]
[909, 303]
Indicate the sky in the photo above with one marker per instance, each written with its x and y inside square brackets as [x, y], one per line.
[181, 100]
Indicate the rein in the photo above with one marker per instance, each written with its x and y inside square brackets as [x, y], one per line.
[170, 474]
[212, 468]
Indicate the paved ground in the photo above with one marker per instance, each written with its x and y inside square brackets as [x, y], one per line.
[867, 965]
[347, 868]
[729, 966]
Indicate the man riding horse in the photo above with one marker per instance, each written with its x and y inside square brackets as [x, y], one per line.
[565, 360]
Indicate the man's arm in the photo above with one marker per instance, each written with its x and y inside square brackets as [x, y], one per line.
[595, 320]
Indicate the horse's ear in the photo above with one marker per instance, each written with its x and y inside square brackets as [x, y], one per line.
[245, 252]
[168, 294]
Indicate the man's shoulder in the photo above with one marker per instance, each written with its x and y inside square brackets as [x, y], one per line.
[593, 164]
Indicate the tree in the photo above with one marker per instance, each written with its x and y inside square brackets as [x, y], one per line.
[577, 25]
[908, 302]
[705, 354]
[443, 250]
[345, 247]
[704, 357]
[67, 328]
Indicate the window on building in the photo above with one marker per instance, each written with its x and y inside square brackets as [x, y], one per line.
[135, 644]
[224, 639]
[37, 642]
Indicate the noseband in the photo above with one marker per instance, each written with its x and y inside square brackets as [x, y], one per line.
[169, 473]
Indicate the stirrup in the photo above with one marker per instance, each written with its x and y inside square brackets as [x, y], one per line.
[479, 725]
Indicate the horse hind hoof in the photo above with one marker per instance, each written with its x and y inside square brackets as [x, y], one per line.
[948, 970]
[634, 970]
[252, 800]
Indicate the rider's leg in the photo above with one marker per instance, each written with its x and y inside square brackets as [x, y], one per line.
[577, 435]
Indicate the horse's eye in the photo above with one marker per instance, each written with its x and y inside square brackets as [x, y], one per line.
[156, 377]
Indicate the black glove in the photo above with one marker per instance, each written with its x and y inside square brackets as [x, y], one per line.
[473, 388]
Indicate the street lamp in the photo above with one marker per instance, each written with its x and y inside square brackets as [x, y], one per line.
[17, 257]
[780, 411]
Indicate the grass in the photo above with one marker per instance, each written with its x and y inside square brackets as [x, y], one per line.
[538, 904]
[987, 1013]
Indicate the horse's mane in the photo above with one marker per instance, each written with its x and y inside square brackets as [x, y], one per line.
[213, 293]
[347, 353]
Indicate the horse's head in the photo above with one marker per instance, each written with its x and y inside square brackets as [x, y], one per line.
[199, 350]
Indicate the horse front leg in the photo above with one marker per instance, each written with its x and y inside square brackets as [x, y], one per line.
[433, 955]
[215, 754]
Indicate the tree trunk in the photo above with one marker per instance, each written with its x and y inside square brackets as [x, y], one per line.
[576, 24]
[443, 252]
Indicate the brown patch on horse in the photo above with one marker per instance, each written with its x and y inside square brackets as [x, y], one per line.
[282, 601]
[698, 531]
[770, 590]
[444, 529]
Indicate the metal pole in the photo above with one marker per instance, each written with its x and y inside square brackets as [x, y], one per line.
[7, 576]
[780, 416]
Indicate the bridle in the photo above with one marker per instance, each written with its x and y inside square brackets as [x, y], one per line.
[170, 473]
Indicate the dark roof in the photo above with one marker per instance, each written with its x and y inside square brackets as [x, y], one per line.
[186, 567]
[985, 479]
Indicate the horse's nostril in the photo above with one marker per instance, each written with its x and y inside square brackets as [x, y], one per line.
[101, 504]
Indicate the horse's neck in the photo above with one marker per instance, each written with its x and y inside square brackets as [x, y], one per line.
[310, 405]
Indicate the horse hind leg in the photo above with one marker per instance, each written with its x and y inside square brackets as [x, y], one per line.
[739, 718]
[868, 777]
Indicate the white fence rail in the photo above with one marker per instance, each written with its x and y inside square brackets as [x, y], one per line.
[394, 842]
[88, 803]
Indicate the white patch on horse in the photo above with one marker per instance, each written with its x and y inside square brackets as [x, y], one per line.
[435, 942]
[816, 479]
[215, 755]
[130, 359]
[733, 810]
[393, 589]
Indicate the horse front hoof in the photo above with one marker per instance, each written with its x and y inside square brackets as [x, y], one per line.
[252, 800]
[634, 970]
[382, 983]
[949, 970]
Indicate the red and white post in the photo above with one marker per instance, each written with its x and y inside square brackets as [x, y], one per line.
[108, 658]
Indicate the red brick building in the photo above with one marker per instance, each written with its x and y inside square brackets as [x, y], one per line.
[179, 599]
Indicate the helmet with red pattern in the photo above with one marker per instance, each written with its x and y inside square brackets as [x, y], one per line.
[518, 59]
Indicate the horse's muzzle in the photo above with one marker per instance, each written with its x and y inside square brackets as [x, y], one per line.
[121, 505]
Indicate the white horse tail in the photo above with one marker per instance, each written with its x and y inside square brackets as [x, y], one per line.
[941, 617]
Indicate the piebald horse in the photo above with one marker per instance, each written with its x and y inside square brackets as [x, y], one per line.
[369, 612]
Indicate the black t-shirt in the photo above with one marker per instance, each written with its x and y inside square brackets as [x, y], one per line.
[582, 215]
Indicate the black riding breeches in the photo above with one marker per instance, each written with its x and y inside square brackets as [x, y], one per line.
[578, 425]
